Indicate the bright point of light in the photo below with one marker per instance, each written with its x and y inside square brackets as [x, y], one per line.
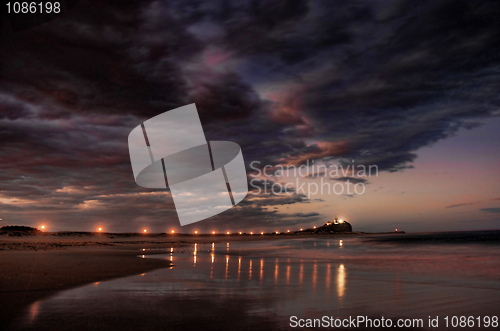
[43, 227]
[300, 229]
[340, 243]
[341, 221]
[145, 230]
[287, 230]
[262, 233]
[277, 232]
[173, 231]
[227, 232]
[99, 229]
[314, 227]
[396, 230]
[240, 232]
[196, 232]
[213, 232]
[251, 232]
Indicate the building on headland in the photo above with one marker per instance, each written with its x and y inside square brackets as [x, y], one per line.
[335, 226]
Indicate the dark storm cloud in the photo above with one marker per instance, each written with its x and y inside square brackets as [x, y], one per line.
[491, 210]
[461, 204]
[289, 81]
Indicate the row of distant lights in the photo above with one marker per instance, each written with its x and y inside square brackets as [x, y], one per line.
[213, 232]
[100, 229]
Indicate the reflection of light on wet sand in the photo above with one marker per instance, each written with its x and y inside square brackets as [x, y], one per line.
[314, 275]
[213, 257]
[227, 265]
[261, 269]
[34, 310]
[341, 243]
[341, 281]
[171, 249]
[213, 246]
[250, 271]
[288, 274]
[328, 279]
[301, 273]
[194, 252]
[227, 247]
[276, 266]
[239, 267]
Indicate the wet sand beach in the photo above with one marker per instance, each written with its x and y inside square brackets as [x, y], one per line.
[219, 282]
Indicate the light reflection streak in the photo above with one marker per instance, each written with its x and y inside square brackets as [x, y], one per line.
[261, 269]
[341, 280]
[288, 274]
[301, 273]
[195, 252]
[250, 271]
[276, 270]
[328, 279]
[34, 311]
[239, 267]
[227, 265]
[314, 275]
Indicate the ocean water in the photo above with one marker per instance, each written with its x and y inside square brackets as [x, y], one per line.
[262, 285]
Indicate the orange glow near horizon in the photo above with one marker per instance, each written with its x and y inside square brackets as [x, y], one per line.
[196, 232]
[213, 232]
[99, 229]
[240, 232]
[251, 232]
[288, 231]
[262, 233]
[173, 231]
[145, 230]
[301, 229]
[227, 232]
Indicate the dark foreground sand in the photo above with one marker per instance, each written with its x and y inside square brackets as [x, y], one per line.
[33, 268]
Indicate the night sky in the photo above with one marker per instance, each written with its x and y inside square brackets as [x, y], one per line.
[412, 87]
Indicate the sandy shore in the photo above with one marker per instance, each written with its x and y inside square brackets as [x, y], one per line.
[37, 267]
